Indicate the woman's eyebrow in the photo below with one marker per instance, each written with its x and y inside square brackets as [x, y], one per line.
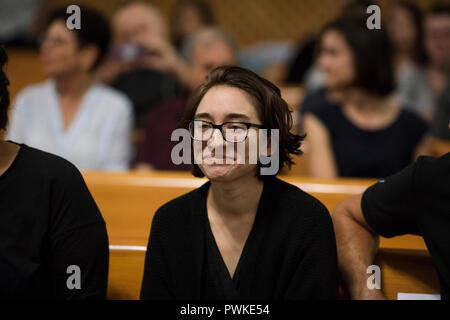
[203, 115]
[236, 116]
[228, 117]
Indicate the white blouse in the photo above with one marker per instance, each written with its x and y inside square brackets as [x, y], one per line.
[99, 137]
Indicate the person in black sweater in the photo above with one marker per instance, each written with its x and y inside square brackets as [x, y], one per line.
[53, 240]
[243, 234]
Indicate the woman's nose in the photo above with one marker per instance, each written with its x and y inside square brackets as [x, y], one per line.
[217, 138]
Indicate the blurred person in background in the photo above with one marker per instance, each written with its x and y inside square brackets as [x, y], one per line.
[302, 68]
[205, 50]
[70, 114]
[437, 44]
[441, 118]
[188, 17]
[19, 22]
[49, 224]
[354, 126]
[404, 26]
[143, 63]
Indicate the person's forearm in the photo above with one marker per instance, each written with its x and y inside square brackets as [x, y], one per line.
[357, 248]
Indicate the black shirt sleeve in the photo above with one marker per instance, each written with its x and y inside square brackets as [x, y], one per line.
[390, 206]
[316, 275]
[155, 284]
[78, 239]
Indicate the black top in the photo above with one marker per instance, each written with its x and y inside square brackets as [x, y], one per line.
[146, 88]
[441, 117]
[416, 201]
[363, 153]
[49, 222]
[290, 252]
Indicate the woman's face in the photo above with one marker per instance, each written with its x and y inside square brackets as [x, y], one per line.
[223, 104]
[402, 30]
[336, 60]
[59, 50]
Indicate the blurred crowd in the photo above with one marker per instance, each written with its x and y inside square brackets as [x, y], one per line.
[371, 102]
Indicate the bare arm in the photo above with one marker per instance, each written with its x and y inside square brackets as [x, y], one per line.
[357, 245]
[319, 155]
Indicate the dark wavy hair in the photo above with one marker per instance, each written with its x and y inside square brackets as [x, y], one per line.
[272, 110]
[4, 93]
[372, 52]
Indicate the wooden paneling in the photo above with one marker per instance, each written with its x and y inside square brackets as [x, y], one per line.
[250, 21]
[126, 269]
[23, 69]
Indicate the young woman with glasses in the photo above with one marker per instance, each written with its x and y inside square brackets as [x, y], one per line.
[242, 235]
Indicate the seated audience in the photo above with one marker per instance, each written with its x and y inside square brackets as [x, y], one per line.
[354, 127]
[437, 44]
[188, 17]
[53, 240]
[142, 63]
[414, 201]
[404, 25]
[205, 50]
[243, 234]
[70, 114]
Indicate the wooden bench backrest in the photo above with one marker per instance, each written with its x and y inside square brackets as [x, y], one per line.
[128, 202]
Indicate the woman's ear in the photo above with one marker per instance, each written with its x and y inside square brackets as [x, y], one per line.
[88, 56]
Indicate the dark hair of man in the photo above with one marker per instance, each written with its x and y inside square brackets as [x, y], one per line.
[272, 110]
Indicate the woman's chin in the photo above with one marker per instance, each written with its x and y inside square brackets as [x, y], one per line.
[218, 171]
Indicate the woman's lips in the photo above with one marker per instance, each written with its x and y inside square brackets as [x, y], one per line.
[216, 160]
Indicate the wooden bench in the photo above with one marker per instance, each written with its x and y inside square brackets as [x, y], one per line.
[129, 200]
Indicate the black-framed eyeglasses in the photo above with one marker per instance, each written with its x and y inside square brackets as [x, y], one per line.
[202, 130]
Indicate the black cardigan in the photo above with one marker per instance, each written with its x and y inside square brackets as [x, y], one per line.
[289, 254]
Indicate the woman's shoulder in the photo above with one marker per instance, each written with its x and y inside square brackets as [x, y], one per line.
[299, 214]
[35, 92]
[294, 200]
[179, 210]
[42, 166]
[316, 101]
[411, 120]
[318, 104]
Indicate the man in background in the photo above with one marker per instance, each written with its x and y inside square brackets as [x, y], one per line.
[143, 64]
[203, 51]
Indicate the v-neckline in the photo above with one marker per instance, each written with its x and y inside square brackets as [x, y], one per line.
[248, 242]
[77, 121]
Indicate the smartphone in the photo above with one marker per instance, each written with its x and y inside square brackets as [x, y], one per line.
[129, 52]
